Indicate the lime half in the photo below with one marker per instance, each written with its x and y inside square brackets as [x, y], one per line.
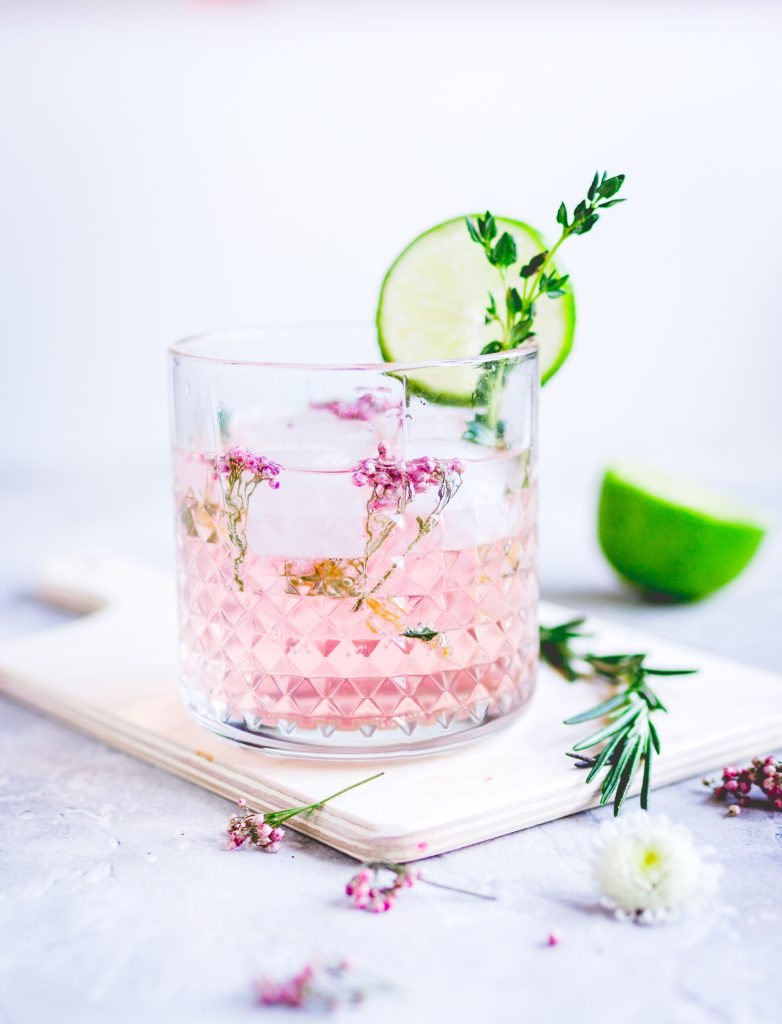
[670, 537]
[433, 300]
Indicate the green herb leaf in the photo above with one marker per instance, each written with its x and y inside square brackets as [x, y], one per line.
[629, 737]
[586, 224]
[534, 265]
[425, 633]
[598, 710]
[647, 776]
[520, 332]
[504, 252]
[479, 432]
[487, 227]
[513, 300]
[610, 186]
[473, 231]
[540, 278]
[491, 348]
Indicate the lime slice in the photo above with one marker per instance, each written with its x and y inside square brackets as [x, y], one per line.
[670, 537]
[432, 305]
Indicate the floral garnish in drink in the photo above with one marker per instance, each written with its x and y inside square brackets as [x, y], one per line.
[380, 594]
[392, 597]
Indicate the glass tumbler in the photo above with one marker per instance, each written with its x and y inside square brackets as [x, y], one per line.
[356, 541]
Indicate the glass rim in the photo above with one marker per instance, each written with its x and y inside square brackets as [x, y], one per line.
[181, 349]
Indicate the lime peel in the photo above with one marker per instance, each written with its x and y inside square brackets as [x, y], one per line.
[432, 308]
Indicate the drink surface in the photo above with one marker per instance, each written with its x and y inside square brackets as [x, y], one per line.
[327, 607]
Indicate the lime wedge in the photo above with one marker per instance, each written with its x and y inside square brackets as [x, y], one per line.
[432, 305]
[670, 537]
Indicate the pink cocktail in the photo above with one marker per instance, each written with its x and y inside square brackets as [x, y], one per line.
[356, 576]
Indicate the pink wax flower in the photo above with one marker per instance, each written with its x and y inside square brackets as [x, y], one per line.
[376, 886]
[264, 831]
[764, 773]
[243, 472]
[246, 827]
[239, 460]
[396, 481]
[368, 893]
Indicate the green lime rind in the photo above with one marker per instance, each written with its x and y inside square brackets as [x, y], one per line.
[671, 539]
[553, 350]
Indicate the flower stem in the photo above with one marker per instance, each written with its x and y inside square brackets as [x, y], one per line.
[278, 817]
[347, 789]
[455, 888]
[401, 869]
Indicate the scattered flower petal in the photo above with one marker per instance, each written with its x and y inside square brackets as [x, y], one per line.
[315, 988]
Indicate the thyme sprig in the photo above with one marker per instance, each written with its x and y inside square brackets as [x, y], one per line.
[629, 738]
[514, 313]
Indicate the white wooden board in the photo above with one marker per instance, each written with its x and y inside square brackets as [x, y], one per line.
[113, 674]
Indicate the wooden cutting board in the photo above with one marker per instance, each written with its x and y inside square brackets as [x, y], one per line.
[113, 674]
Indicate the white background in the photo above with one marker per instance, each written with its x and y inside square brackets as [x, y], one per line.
[177, 166]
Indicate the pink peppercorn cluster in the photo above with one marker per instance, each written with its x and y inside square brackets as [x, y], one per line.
[394, 481]
[765, 773]
[246, 827]
[368, 894]
[239, 460]
[364, 408]
[314, 988]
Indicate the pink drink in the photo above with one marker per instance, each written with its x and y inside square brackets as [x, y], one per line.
[320, 613]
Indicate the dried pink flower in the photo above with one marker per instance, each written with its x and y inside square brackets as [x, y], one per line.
[264, 831]
[247, 827]
[393, 483]
[367, 892]
[396, 481]
[763, 773]
[238, 460]
[243, 472]
[364, 408]
[376, 885]
[316, 987]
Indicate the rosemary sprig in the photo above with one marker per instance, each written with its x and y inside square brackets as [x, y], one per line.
[629, 737]
[555, 647]
[514, 314]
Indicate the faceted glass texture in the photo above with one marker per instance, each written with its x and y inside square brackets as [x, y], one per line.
[357, 573]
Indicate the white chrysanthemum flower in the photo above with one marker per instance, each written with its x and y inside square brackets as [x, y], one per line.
[649, 869]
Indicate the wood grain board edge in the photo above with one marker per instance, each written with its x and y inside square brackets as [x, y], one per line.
[353, 838]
